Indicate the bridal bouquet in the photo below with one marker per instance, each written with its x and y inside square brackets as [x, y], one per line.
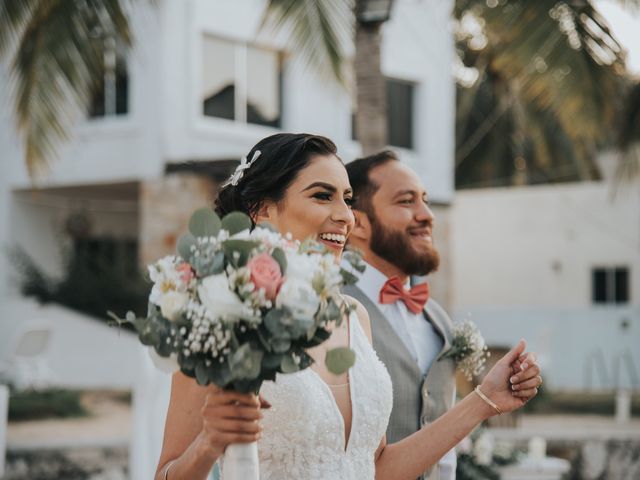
[236, 306]
[468, 349]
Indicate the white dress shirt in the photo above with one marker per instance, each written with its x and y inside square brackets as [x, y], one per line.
[418, 335]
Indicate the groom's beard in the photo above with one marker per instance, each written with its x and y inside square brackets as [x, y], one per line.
[396, 248]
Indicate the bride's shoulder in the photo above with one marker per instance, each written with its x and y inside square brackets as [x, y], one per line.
[363, 316]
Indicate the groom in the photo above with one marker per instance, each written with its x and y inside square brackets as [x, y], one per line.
[393, 229]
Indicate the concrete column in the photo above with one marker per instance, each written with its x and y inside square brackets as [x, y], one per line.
[4, 419]
[165, 207]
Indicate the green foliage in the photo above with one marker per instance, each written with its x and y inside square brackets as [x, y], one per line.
[280, 257]
[319, 31]
[40, 404]
[340, 359]
[204, 223]
[551, 83]
[56, 54]
[236, 222]
[245, 362]
[238, 251]
[93, 282]
[184, 245]
[468, 469]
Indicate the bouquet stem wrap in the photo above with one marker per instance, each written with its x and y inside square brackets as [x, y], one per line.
[241, 462]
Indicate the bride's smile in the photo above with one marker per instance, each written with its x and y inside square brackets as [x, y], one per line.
[317, 205]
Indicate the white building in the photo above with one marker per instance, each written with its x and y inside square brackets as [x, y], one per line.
[560, 266]
[200, 87]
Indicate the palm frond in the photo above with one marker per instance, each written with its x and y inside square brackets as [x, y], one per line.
[318, 31]
[628, 141]
[562, 62]
[14, 15]
[58, 60]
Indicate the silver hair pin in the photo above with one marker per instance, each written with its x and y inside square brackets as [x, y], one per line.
[237, 175]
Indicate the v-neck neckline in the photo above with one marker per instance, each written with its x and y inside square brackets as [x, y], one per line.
[346, 440]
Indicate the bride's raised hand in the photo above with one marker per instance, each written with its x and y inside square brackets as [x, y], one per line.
[230, 417]
[513, 380]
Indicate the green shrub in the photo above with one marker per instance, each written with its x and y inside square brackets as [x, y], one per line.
[40, 404]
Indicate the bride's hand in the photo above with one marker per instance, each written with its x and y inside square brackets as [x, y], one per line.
[513, 380]
[230, 417]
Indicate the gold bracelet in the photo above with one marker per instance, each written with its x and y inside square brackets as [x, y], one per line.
[487, 400]
[166, 469]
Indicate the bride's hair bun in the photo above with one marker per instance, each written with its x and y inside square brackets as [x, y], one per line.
[282, 156]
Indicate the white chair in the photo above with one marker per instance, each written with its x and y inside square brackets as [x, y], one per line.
[26, 365]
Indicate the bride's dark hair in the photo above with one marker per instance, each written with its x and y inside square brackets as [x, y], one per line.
[282, 157]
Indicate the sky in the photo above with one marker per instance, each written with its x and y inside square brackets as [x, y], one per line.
[625, 25]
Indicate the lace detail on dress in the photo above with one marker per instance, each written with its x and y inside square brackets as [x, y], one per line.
[304, 430]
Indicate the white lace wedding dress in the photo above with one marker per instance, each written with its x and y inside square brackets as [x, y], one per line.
[304, 436]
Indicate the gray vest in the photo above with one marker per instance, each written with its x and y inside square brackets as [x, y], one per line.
[417, 399]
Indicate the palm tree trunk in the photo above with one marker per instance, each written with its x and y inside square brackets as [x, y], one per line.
[371, 101]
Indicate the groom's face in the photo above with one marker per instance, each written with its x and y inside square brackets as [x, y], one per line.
[401, 220]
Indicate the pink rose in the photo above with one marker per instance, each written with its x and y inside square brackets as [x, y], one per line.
[265, 273]
[186, 273]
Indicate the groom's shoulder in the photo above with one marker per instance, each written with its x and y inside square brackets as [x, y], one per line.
[434, 308]
[353, 291]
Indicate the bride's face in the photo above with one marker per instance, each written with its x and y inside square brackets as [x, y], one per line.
[316, 205]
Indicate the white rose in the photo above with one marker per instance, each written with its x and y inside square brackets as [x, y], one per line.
[172, 303]
[165, 364]
[299, 297]
[216, 296]
[302, 267]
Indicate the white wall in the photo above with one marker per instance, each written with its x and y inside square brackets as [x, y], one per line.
[536, 246]
[418, 46]
[165, 121]
[522, 260]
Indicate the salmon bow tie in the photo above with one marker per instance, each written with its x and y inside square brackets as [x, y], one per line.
[414, 299]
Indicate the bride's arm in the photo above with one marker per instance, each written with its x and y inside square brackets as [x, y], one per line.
[410, 457]
[200, 423]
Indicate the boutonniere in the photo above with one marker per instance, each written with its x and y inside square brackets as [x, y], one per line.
[468, 349]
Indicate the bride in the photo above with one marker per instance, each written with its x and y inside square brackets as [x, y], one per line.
[312, 424]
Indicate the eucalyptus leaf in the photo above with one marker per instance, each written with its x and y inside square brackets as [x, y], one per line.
[288, 365]
[275, 321]
[184, 244]
[238, 251]
[280, 257]
[220, 374]
[236, 222]
[204, 223]
[280, 345]
[202, 374]
[339, 360]
[217, 265]
[348, 278]
[272, 360]
[354, 258]
[245, 363]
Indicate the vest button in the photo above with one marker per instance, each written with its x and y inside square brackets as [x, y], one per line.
[424, 420]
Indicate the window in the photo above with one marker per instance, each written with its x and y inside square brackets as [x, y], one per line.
[399, 114]
[111, 96]
[610, 285]
[241, 82]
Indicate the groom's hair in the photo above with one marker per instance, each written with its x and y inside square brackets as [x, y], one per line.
[363, 187]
